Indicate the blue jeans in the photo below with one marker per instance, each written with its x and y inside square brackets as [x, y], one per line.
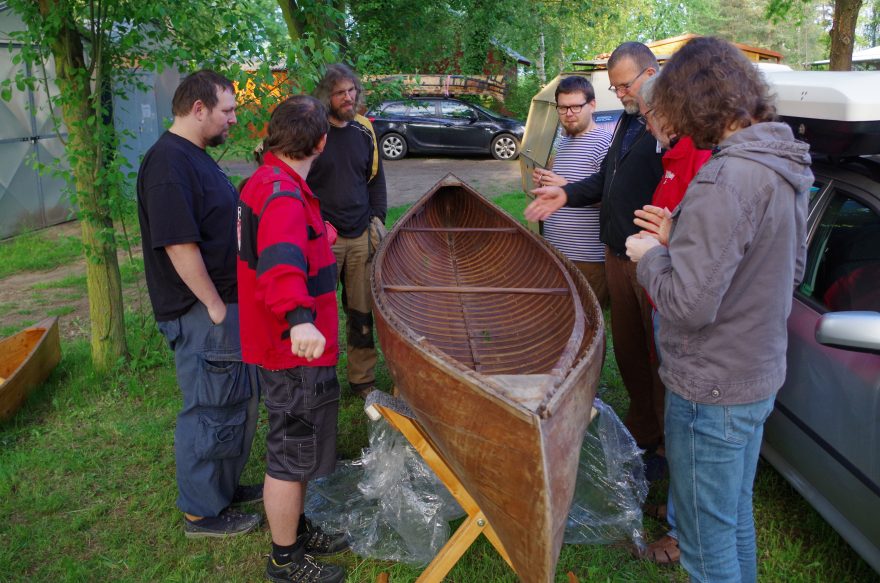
[670, 505]
[712, 452]
[216, 425]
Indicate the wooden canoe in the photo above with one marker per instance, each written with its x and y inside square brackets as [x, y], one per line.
[26, 359]
[496, 343]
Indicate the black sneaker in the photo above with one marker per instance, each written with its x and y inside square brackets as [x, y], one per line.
[304, 569]
[228, 523]
[319, 543]
[247, 494]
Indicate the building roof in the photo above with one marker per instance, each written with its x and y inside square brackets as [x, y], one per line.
[872, 54]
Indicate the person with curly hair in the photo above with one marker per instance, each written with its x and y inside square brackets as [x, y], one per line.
[723, 289]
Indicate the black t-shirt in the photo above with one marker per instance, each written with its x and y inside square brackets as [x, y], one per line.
[339, 178]
[184, 197]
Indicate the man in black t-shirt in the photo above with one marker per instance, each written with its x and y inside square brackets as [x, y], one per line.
[349, 181]
[186, 207]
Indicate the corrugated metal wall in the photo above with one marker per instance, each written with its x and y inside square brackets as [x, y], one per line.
[28, 199]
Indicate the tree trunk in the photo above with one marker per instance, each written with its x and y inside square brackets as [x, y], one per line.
[84, 154]
[843, 30]
[542, 53]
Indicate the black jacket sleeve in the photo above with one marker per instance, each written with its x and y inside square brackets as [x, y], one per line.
[589, 190]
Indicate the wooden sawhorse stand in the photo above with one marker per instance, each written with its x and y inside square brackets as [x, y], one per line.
[395, 411]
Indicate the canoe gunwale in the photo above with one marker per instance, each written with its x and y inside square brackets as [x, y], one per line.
[570, 356]
[15, 387]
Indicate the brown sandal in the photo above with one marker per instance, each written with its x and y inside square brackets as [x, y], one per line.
[663, 551]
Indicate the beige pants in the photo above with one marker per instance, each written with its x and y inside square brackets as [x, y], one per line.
[353, 261]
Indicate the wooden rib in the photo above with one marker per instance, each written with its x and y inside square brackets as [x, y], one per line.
[442, 289]
[460, 229]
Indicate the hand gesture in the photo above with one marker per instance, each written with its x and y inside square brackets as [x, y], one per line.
[638, 244]
[656, 221]
[306, 341]
[549, 199]
[544, 177]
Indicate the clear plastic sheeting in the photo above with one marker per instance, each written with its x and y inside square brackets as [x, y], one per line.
[611, 485]
[389, 501]
[395, 508]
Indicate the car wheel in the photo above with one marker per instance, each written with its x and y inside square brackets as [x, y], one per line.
[505, 147]
[392, 146]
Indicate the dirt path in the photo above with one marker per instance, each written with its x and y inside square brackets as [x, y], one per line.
[22, 304]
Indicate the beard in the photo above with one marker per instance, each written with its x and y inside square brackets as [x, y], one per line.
[575, 128]
[631, 107]
[217, 140]
[343, 114]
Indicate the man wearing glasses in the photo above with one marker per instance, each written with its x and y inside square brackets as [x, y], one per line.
[349, 181]
[625, 182]
[579, 153]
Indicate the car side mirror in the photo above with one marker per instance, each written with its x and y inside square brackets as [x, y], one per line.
[472, 117]
[857, 331]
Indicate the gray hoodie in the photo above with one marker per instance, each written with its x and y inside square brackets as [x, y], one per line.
[723, 287]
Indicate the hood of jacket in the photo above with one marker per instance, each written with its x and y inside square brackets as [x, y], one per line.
[772, 144]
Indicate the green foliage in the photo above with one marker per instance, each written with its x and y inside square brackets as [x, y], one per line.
[519, 95]
[35, 252]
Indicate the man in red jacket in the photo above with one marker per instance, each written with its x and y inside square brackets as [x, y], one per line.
[289, 327]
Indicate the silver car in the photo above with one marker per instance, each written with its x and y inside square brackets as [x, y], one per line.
[824, 436]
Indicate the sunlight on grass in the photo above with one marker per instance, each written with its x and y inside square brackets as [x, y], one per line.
[76, 281]
[37, 251]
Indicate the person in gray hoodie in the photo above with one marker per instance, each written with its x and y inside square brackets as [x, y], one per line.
[722, 285]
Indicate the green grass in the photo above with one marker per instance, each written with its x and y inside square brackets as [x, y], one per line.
[87, 492]
[74, 281]
[13, 328]
[37, 252]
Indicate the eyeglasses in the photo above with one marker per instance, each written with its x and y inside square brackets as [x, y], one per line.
[351, 91]
[572, 108]
[625, 86]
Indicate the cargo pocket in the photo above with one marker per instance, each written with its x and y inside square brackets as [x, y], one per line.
[321, 387]
[223, 389]
[223, 380]
[300, 446]
[221, 434]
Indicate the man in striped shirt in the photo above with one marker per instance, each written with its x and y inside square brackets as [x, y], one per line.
[579, 153]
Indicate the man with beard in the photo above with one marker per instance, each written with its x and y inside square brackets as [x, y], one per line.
[186, 207]
[625, 182]
[579, 153]
[349, 181]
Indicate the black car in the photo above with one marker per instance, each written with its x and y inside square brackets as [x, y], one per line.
[442, 125]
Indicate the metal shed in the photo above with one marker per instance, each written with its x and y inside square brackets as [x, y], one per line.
[28, 199]
[28, 136]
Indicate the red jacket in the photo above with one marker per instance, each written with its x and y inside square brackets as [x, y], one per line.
[680, 165]
[286, 269]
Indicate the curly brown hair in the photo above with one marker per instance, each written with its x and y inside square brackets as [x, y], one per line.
[708, 87]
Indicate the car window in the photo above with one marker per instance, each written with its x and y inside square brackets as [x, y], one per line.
[456, 110]
[843, 261]
[421, 109]
[394, 109]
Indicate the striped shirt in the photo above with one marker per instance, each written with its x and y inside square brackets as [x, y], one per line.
[575, 231]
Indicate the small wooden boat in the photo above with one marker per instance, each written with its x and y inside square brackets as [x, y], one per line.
[26, 359]
[496, 343]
